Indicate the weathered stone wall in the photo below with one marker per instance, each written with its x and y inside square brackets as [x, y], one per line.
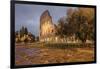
[47, 28]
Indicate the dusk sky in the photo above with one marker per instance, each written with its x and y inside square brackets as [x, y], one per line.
[29, 16]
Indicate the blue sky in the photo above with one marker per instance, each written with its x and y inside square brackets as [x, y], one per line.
[29, 16]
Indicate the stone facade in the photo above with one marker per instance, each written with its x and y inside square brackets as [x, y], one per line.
[47, 28]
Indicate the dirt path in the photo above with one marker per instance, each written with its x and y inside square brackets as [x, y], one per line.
[29, 56]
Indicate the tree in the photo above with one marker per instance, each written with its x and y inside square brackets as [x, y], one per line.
[88, 13]
[67, 25]
[23, 31]
[79, 21]
[60, 27]
[85, 23]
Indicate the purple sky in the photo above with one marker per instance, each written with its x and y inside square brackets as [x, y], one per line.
[29, 16]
